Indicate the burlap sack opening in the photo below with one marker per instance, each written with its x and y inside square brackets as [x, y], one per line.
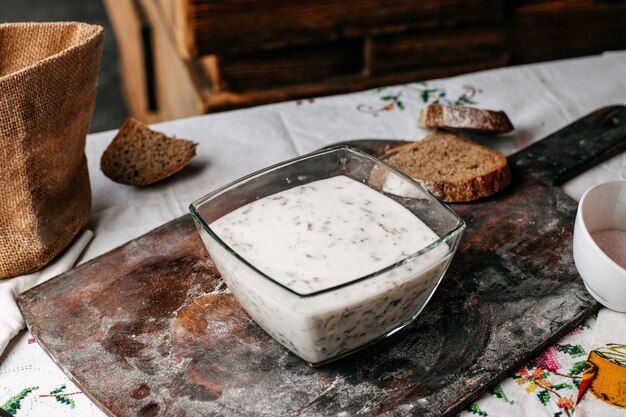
[48, 77]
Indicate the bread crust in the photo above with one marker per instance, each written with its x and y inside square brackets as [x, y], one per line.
[464, 190]
[472, 188]
[464, 118]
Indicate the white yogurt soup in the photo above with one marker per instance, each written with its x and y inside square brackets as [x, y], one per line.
[314, 237]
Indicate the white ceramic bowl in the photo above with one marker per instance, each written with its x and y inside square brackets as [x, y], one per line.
[602, 207]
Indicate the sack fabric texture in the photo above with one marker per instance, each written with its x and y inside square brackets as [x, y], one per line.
[48, 75]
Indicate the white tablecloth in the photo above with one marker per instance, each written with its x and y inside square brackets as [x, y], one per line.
[538, 98]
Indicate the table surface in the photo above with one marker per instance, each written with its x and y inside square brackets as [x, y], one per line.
[539, 99]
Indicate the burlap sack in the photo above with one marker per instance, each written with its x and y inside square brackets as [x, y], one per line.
[48, 77]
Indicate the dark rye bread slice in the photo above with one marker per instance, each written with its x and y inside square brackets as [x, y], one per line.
[140, 156]
[464, 118]
[451, 167]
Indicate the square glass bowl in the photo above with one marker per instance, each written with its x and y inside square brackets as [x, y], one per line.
[328, 323]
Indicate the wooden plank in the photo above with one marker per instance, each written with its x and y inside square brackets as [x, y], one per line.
[563, 29]
[390, 54]
[438, 48]
[292, 65]
[179, 84]
[133, 34]
[226, 100]
[148, 329]
[210, 65]
[176, 14]
[213, 27]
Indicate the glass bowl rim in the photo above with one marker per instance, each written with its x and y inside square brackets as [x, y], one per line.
[193, 208]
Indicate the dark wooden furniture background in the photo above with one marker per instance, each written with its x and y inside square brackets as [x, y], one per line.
[187, 57]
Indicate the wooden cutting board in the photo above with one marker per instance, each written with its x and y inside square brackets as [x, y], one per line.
[149, 328]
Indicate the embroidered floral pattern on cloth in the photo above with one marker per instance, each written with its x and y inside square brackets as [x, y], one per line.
[546, 386]
[395, 98]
